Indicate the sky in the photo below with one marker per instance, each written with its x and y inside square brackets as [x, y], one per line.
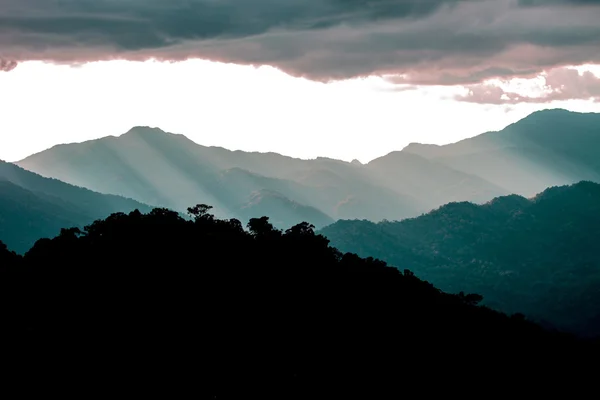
[347, 79]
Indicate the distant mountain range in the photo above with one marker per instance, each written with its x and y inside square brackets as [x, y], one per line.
[548, 148]
[33, 207]
[536, 256]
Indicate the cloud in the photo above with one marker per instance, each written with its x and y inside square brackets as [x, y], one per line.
[421, 42]
[533, 3]
[560, 84]
[7, 65]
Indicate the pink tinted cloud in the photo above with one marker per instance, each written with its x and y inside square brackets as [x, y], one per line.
[7, 65]
[434, 42]
[561, 84]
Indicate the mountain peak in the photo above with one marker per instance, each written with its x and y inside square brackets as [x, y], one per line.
[396, 155]
[417, 144]
[422, 149]
[553, 111]
[142, 130]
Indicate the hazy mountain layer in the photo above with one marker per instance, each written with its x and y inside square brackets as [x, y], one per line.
[548, 148]
[431, 182]
[537, 256]
[551, 147]
[33, 207]
[170, 170]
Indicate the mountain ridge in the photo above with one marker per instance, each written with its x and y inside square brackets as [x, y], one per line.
[546, 148]
[171, 170]
[292, 316]
[34, 207]
[414, 147]
[406, 148]
[532, 255]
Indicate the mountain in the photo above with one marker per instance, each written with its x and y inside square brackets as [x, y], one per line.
[547, 148]
[33, 207]
[431, 182]
[282, 211]
[168, 305]
[170, 170]
[537, 256]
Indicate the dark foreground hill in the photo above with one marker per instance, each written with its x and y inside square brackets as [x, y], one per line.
[141, 303]
[33, 207]
[537, 256]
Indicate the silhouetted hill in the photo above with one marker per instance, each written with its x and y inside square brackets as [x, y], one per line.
[155, 303]
[537, 256]
[172, 171]
[547, 148]
[32, 207]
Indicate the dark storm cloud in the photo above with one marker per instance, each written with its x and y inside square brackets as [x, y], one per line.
[147, 24]
[533, 3]
[419, 42]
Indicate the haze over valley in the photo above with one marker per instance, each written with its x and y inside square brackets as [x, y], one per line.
[547, 148]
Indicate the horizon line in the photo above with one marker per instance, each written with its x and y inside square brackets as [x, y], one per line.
[285, 155]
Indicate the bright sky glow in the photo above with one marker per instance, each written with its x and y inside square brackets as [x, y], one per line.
[237, 107]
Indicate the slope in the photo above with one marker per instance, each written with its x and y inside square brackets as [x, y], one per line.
[32, 207]
[283, 212]
[432, 182]
[535, 256]
[170, 170]
[205, 306]
[549, 147]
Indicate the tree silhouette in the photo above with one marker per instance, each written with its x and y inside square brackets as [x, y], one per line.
[157, 298]
[200, 211]
[471, 298]
[301, 229]
[261, 228]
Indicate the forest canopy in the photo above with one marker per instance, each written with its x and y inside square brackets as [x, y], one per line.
[534, 256]
[278, 313]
